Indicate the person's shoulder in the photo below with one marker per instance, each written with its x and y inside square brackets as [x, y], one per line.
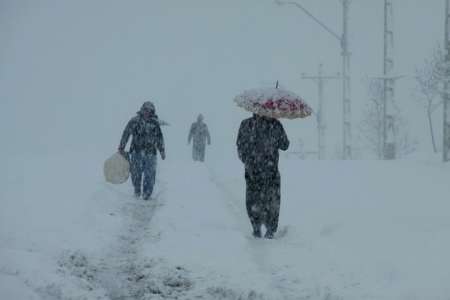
[277, 122]
[155, 121]
[247, 121]
[133, 120]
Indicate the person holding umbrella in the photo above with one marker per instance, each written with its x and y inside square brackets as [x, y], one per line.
[258, 143]
[147, 140]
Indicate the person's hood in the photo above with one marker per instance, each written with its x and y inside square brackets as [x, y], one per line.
[154, 117]
[147, 106]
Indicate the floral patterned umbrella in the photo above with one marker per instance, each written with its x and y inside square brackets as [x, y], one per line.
[273, 103]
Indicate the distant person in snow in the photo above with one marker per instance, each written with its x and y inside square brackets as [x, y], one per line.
[258, 142]
[146, 141]
[199, 134]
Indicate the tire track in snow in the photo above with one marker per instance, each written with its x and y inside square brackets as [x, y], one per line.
[119, 271]
[116, 273]
[129, 273]
[119, 268]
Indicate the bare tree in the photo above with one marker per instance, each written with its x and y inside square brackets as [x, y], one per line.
[429, 78]
[371, 126]
[404, 142]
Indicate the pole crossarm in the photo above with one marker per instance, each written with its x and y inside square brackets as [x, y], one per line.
[346, 78]
[320, 79]
[397, 77]
[298, 5]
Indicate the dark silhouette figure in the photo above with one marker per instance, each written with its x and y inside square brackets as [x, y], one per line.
[258, 143]
[199, 134]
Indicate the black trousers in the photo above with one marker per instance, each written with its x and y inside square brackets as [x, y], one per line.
[263, 199]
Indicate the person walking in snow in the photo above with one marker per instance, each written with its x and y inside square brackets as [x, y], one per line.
[258, 143]
[146, 141]
[199, 134]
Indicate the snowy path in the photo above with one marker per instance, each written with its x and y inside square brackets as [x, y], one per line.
[119, 268]
[279, 259]
[203, 227]
[200, 233]
[190, 241]
[259, 249]
[350, 240]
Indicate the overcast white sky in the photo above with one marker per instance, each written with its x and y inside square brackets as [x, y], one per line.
[73, 72]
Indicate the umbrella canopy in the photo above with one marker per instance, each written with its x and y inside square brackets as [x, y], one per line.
[273, 103]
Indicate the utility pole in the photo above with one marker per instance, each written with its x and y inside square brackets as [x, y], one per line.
[446, 94]
[389, 145]
[388, 117]
[346, 81]
[346, 77]
[321, 79]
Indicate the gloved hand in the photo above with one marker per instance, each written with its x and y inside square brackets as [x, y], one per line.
[163, 155]
[121, 151]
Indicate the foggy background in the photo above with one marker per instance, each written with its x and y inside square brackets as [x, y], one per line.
[72, 73]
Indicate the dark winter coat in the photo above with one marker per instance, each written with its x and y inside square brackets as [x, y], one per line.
[199, 134]
[259, 140]
[147, 135]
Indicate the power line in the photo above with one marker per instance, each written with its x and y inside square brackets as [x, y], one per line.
[346, 78]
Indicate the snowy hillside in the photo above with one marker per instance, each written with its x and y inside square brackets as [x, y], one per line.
[346, 237]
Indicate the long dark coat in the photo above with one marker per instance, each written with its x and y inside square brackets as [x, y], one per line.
[258, 144]
[199, 135]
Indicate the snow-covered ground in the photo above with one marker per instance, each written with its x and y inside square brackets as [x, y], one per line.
[353, 230]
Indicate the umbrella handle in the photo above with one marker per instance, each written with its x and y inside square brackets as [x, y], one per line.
[276, 86]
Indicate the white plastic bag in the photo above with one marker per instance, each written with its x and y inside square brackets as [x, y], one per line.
[116, 169]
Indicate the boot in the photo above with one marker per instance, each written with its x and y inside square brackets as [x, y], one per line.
[269, 234]
[257, 232]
